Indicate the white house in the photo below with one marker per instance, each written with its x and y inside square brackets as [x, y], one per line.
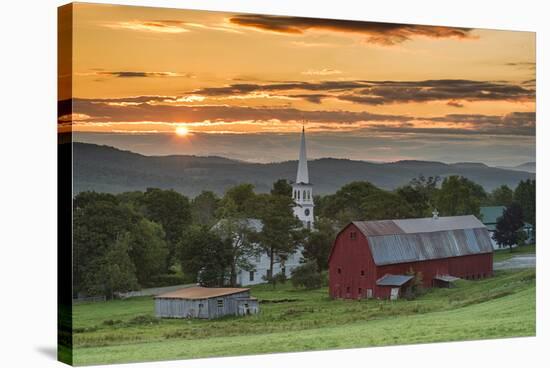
[303, 210]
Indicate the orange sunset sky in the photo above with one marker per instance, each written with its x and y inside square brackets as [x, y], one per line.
[242, 85]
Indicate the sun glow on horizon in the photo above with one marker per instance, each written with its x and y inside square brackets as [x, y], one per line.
[182, 131]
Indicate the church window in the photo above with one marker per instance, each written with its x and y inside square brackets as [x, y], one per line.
[304, 195]
[251, 276]
[298, 194]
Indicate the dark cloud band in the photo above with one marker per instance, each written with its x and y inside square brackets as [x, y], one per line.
[387, 34]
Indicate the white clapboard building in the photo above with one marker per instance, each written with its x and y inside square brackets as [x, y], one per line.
[302, 193]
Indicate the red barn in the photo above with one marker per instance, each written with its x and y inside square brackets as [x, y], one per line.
[373, 258]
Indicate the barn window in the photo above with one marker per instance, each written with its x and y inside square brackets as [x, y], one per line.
[362, 272]
[348, 289]
[339, 270]
[353, 235]
[201, 305]
[360, 292]
[251, 276]
[220, 303]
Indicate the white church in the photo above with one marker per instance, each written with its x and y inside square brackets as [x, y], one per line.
[302, 193]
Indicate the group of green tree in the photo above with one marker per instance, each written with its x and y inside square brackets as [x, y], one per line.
[140, 239]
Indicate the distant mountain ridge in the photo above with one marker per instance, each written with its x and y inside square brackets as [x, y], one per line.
[528, 166]
[108, 169]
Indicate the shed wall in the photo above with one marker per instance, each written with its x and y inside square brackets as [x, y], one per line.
[198, 308]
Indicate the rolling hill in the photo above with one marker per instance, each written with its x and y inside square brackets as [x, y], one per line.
[107, 169]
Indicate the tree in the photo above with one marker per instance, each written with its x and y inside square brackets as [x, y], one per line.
[115, 272]
[306, 275]
[385, 205]
[147, 249]
[459, 196]
[243, 197]
[204, 208]
[502, 196]
[205, 256]
[420, 194]
[525, 195]
[282, 232]
[345, 205]
[239, 232]
[99, 221]
[282, 187]
[509, 225]
[170, 209]
[319, 242]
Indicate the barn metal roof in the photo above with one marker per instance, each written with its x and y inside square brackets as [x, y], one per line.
[199, 292]
[412, 240]
[393, 280]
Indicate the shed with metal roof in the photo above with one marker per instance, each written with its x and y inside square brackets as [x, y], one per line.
[202, 302]
[366, 252]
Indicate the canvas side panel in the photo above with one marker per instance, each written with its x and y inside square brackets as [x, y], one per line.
[64, 184]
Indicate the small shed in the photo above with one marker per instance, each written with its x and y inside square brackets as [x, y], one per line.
[445, 281]
[399, 285]
[207, 303]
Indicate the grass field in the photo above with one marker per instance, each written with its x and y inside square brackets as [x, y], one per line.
[504, 254]
[298, 320]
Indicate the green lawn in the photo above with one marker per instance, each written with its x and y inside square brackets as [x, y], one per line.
[504, 254]
[125, 331]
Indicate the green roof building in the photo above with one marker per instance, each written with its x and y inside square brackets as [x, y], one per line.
[490, 216]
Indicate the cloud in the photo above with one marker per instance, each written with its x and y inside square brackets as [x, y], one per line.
[167, 26]
[143, 108]
[387, 34]
[387, 92]
[523, 65]
[311, 44]
[321, 72]
[156, 26]
[455, 104]
[134, 74]
[150, 109]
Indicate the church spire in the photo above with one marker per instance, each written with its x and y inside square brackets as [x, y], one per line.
[302, 175]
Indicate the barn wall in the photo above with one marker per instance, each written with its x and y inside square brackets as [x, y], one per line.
[351, 256]
[467, 267]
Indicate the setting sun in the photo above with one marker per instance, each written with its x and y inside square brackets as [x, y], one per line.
[181, 131]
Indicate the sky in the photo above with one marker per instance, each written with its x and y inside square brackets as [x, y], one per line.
[167, 81]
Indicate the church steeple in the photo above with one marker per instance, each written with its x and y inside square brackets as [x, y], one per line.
[302, 189]
[302, 176]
